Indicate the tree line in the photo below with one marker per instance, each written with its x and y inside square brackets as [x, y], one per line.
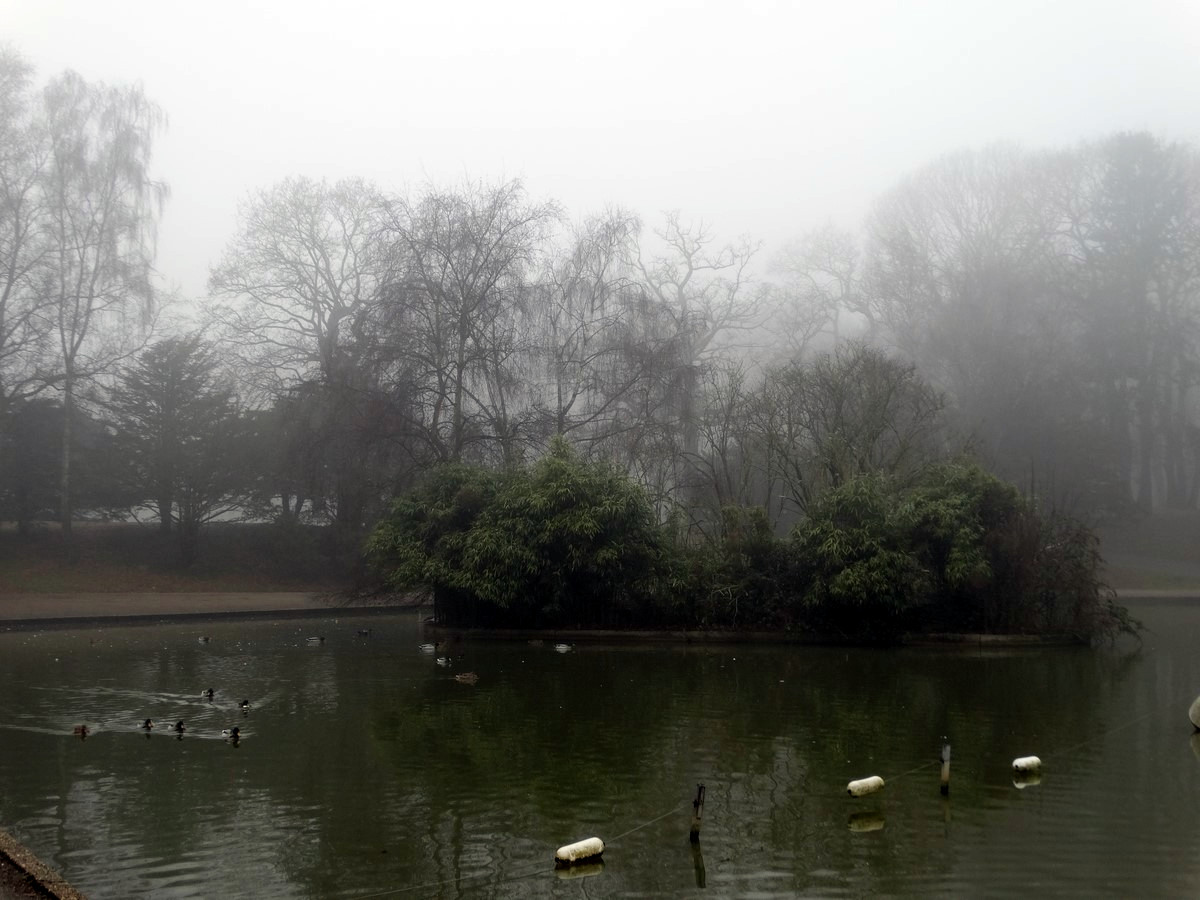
[1034, 308]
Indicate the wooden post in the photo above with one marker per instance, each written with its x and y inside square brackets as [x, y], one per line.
[945, 769]
[697, 814]
[698, 864]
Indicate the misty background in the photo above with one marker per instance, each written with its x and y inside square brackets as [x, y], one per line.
[760, 118]
[744, 252]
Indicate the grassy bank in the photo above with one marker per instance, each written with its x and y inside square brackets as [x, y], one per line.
[1159, 552]
[123, 557]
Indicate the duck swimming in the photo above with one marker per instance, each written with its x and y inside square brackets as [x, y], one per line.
[208, 694]
[180, 728]
[245, 704]
[147, 725]
[81, 731]
[231, 734]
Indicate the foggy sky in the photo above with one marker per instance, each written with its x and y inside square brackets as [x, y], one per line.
[766, 118]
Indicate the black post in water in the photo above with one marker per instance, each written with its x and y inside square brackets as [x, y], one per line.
[945, 769]
[697, 814]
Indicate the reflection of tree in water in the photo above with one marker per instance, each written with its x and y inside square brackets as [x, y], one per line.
[554, 752]
[516, 764]
[368, 771]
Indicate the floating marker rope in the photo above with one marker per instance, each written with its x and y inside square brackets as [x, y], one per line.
[1114, 730]
[669, 812]
[926, 765]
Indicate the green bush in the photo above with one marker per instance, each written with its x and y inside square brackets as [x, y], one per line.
[563, 543]
[741, 580]
[858, 571]
[421, 544]
[571, 543]
[960, 550]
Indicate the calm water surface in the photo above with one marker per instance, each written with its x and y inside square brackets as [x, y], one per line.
[367, 771]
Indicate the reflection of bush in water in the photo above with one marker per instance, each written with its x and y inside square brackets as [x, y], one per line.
[775, 733]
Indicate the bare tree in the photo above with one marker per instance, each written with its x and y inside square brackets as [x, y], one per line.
[730, 467]
[850, 412]
[1133, 253]
[583, 325]
[102, 209]
[24, 327]
[1056, 297]
[820, 276]
[293, 290]
[294, 296]
[969, 273]
[24, 323]
[706, 295]
[463, 263]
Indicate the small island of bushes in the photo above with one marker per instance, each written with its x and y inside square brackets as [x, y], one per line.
[571, 543]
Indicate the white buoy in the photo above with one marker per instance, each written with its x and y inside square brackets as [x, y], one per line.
[864, 786]
[587, 850]
[1194, 713]
[1027, 764]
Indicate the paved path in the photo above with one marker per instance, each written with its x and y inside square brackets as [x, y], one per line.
[23, 607]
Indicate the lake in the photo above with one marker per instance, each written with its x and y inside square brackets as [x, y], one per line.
[366, 770]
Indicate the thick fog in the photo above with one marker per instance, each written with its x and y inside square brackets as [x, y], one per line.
[760, 118]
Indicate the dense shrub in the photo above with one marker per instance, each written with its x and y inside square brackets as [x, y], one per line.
[960, 550]
[570, 543]
[741, 580]
[422, 542]
[859, 573]
[566, 542]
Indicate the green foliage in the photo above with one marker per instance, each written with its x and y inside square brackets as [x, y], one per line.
[421, 544]
[566, 542]
[563, 542]
[741, 580]
[959, 550]
[860, 571]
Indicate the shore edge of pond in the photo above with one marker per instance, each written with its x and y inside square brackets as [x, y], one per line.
[29, 611]
[726, 637]
[25, 872]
